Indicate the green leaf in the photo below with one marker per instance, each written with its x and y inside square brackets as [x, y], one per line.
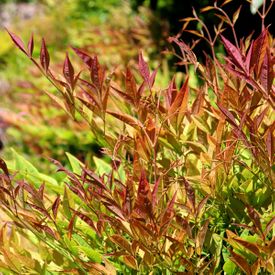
[102, 167]
[75, 163]
[229, 267]
[92, 254]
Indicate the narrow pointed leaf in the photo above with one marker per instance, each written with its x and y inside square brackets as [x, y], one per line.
[44, 56]
[17, 41]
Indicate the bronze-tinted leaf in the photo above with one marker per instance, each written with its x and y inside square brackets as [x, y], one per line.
[127, 119]
[241, 262]
[121, 242]
[4, 167]
[269, 226]
[255, 217]
[130, 261]
[168, 214]
[249, 246]
[190, 193]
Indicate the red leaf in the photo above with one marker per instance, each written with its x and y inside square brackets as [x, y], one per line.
[143, 203]
[68, 71]
[71, 226]
[95, 72]
[234, 53]
[228, 115]
[267, 74]
[44, 56]
[17, 41]
[131, 88]
[84, 56]
[30, 46]
[46, 229]
[153, 77]
[259, 51]
[55, 206]
[144, 69]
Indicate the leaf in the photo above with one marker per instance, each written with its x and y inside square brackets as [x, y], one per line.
[17, 41]
[143, 203]
[269, 226]
[201, 237]
[68, 71]
[130, 84]
[144, 69]
[270, 144]
[96, 72]
[102, 167]
[241, 262]
[259, 50]
[234, 53]
[168, 214]
[190, 193]
[55, 206]
[255, 217]
[267, 74]
[4, 167]
[179, 105]
[127, 119]
[44, 56]
[228, 115]
[30, 46]
[86, 219]
[202, 204]
[208, 8]
[130, 261]
[84, 56]
[202, 125]
[76, 164]
[236, 14]
[121, 242]
[249, 246]
[154, 193]
[94, 255]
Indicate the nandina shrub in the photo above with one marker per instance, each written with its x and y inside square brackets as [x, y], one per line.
[187, 166]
